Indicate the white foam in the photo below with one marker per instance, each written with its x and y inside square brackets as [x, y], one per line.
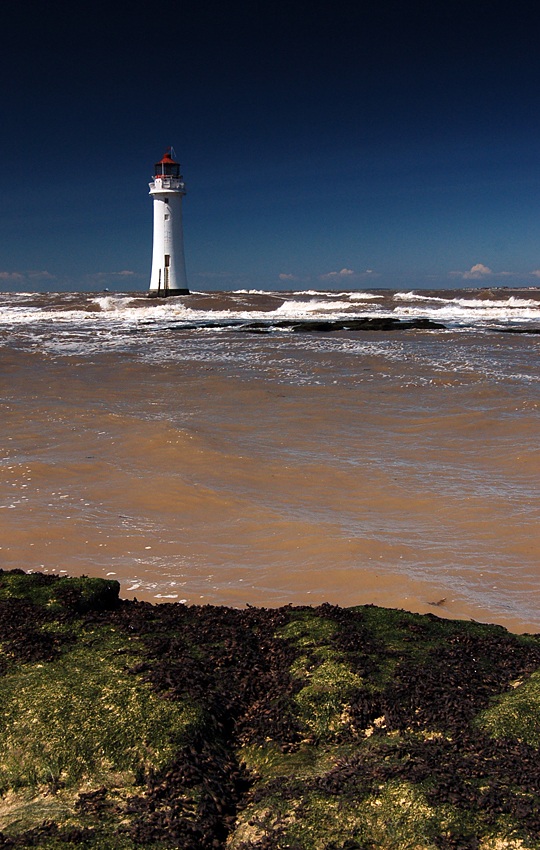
[416, 296]
[482, 303]
[320, 293]
[465, 311]
[512, 302]
[364, 296]
[253, 292]
[294, 309]
[353, 295]
[111, 302]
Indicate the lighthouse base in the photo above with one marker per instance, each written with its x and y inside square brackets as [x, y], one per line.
[167, 293]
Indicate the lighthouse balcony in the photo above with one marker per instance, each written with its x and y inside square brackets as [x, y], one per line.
[169, 183]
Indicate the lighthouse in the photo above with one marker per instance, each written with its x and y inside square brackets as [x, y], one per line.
[168, 264]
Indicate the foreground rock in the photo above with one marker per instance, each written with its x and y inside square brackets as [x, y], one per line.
[127, 725]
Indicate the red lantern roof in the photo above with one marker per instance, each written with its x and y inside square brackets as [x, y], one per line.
[167, 159]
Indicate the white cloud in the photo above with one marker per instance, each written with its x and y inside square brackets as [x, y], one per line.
[536, 273]
[26, 276]
[123, 273]
[333, 275]
[12, 277]
[477, 271]
[41, 275]
[480, 272]
[284, 276]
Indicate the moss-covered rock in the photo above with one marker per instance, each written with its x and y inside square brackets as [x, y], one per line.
[126, 725]
[60, 592]
[83, 717]
[515, 714]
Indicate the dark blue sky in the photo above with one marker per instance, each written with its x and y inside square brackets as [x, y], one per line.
[386, 143]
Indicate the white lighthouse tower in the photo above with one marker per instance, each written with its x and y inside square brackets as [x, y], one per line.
[168, 264]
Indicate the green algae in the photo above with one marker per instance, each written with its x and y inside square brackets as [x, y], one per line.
[77, 723]
[400, 636]
[396, 817]
[306, 629]
[85, 716]
[323, 701]
[268, 762]
[23, 813]
[515, 714]
[55, 593]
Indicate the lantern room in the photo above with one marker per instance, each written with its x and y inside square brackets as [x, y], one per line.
[167, 167]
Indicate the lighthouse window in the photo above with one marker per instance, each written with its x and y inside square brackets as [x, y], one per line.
[167, 216]
[165, 200]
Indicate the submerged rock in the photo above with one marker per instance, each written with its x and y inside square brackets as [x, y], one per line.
[128, 725]
[366, 323]
[530, 330]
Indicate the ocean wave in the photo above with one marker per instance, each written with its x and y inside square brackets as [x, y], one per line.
[364, 296]
[301, 308]
[416, 296]
[353, 295]
[483, 303]
[511, 302]
[456, 312]
[108, 303]
[318, 293]
[247, 292]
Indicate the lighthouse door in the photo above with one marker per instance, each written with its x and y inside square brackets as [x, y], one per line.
[166, 271]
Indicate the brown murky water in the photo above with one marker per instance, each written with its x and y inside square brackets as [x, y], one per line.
[215, 466]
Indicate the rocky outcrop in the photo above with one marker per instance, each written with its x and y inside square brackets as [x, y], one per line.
[519, 330]
[128, 725]
[367, 323]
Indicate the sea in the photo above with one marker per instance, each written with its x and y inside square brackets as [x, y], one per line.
[248, 448]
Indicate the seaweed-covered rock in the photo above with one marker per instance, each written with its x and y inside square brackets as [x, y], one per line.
[128, 725]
